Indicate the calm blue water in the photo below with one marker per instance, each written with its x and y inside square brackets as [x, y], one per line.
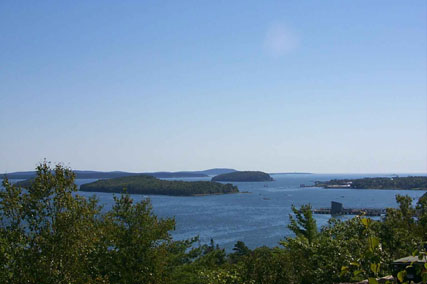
[261, 216]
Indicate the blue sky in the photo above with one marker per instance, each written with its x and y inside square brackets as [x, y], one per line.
[318, 86]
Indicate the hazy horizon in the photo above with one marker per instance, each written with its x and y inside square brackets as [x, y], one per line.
[277, 86]
[211, 168]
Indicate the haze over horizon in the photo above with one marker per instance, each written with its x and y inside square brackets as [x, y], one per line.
[197, 170]
[282, 86]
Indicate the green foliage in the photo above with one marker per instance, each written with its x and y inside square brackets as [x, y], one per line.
[240, 250]
[303, 225]
[222, 276]
[48, 234]
[144, 184]
[368, 261]
[422, 217]
[243, 176]
[403, 230]
[399, 234]
[135, 247]
[266, 266]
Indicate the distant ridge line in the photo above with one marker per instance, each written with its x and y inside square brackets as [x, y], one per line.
[82, 174]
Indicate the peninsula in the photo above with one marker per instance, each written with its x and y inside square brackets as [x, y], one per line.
[411, 182]
[248, 176]
[144, 184]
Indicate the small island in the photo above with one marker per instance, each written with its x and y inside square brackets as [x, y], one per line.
[144, 184]
[405, 183]
[244, 176]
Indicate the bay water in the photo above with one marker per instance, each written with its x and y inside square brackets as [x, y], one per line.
[259, 217]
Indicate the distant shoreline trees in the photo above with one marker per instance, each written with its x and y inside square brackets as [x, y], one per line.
[411, 182]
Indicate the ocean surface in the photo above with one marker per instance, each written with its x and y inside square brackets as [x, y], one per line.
[261, 216]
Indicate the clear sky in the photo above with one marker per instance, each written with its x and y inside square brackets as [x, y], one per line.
[318, 86]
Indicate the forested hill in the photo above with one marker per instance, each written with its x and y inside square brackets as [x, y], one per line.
[144, 184]
[411, 182]
[176, 174]
[243, 176]
[216, 171]
[114, 174]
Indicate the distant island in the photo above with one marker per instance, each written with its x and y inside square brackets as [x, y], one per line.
[243, 176]
[144, 184]
[114, 174]
[412, 182]
[176, 174]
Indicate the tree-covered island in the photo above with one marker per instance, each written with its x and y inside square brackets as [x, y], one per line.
[243, 176]
[411, 182]
[144, 184]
